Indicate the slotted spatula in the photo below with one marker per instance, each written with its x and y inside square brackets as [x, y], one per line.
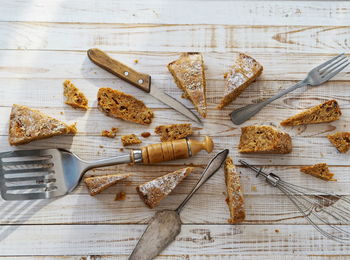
[49, 173]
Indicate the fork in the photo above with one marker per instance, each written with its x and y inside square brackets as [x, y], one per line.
[50, 173]
[315, 77]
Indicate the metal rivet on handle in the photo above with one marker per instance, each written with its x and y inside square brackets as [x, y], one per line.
[126, 73]
[140, 81]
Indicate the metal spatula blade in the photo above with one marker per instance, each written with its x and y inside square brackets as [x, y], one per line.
[166, 224]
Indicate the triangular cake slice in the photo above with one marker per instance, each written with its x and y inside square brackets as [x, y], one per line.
[327, 112]
[234, 198]
[341, 140]
[319, 170]
[97, 184]
[188, 73]
[75, 97]
[27, 125]
[154, 191]
[242, 74]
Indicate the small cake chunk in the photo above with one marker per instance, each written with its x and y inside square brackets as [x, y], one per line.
[341, 140]
[319, 170]
[97, 184]
[75, 97]
[234, 198]
[188, 73]
[264, 139]
[110, 133]
[173, 132]
[120, 105]
[244, 72]
[28, 124]
[327, 112]
[130, 139]
[145, 134]
[154, 191]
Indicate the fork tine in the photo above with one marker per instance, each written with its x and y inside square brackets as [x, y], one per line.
[332, 74]
[30, 196]
[32, 178]
[327, 62]
[44, 161]
[332, 65]
[33, 186]
[27, 170]
[334, 68]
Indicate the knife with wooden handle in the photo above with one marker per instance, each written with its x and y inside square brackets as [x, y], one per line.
[137, 79]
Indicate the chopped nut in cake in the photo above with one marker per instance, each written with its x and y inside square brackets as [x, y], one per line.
[130, 139]
[264, 139]
[234, 198]
[173, 132]
[154, 191]
[120, 105]
[319, 170]
[326, 112]
[341, 140]
[110, 133]
[97, 184]
[242, 74]
[188, 73]
[27, 125]
[75, 97]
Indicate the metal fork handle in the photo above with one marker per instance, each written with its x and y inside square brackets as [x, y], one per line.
[242, 114]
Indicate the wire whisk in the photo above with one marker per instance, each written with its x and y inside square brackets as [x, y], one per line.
[328, 213]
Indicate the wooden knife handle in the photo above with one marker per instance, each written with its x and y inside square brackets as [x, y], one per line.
[173, 150]
[140, 80]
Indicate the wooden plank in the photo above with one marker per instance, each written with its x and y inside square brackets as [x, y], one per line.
[75, 64]
[173, 37]
[193, 240]
[208, 12]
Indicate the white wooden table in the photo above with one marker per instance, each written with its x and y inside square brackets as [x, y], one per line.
[42, 43]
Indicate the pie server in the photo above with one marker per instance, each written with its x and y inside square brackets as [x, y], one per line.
[139, 80]
[166, 224]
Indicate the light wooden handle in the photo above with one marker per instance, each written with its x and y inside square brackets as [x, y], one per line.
[140, 80]
[178, 149]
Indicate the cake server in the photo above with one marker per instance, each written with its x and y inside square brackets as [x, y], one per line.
[166, 224]
[139, 80]
[49, 173]
[315, 77]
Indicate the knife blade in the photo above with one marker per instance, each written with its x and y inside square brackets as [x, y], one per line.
[139, 80]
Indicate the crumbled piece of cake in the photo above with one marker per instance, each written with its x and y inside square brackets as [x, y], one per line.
[327, 112]
[130, 139]
[97, 184]
[110, 133]
[120, 196]
[242, 74]
[27, 125]
[319, 170]
[75, 97]
[341, 140]
[264, 139]
[154, 191]
[120, 105]
[173, 132]
[234, 198]
[146, 134]
[188, 73]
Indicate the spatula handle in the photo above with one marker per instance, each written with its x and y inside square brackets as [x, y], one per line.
[140, 80]
[173, 150]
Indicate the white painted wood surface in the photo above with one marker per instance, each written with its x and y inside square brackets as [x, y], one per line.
[42, 43]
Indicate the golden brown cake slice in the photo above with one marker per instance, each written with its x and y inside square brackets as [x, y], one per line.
[154, 191]
[264, 139]
[27, 125]
[319, 170]
[326, 112]
[242, 74]
[75, 97]
[130, 139]
[188, 73]
[173, 132]
[234, 198]
[97, 184]
[341, 140]
[110, 133]
[120, 105]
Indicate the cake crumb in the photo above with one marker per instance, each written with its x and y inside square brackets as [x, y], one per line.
[225, 75]
[277, 230]
[146, 134]
[121, 149]
[136, 61]
[62, 113]
[110, 134]
[130, 139]
[101, 146]
[253, 188]
[120, 196]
